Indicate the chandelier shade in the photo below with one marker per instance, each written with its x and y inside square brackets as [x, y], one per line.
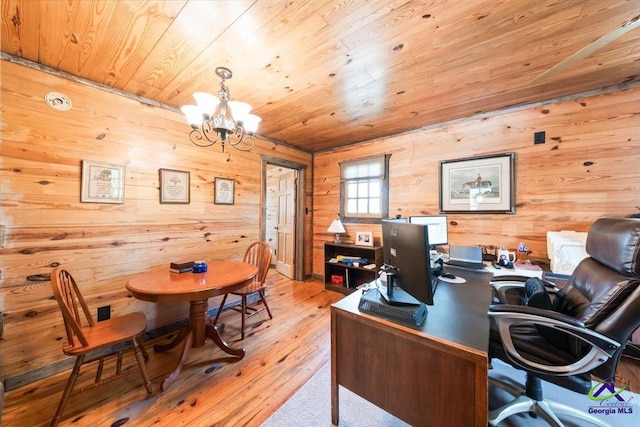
[221, 119]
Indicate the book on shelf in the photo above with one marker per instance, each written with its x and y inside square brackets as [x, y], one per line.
[337, 280]
[348, 259]
[181, 267]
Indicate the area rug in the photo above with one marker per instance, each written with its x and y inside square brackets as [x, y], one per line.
[311, 405]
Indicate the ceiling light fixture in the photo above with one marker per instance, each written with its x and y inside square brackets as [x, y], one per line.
[221, 119]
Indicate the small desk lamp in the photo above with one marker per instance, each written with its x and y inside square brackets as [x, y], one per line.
[336, 227]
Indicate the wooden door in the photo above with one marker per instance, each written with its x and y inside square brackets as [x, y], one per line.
[285, 253]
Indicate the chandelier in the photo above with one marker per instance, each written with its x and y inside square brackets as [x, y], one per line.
[220, 119]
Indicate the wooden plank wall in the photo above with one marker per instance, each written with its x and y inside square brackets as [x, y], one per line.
[588, 168]
[43, 224]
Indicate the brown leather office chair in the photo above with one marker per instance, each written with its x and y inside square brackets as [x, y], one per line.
[581, 332]
[259, 254]
[85, 336]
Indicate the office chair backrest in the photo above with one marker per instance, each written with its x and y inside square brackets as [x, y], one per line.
[75, 311]
[259, 254]
[604, 290]
[614, 242]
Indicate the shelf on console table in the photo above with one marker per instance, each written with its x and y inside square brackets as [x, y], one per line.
[350, 275]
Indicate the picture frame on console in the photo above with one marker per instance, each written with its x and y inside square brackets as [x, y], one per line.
[364, 238]
[483, 184]
[175, 186]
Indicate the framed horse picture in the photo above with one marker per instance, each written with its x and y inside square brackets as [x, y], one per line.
[478, 185]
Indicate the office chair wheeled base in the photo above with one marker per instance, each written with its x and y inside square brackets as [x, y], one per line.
[545, 408]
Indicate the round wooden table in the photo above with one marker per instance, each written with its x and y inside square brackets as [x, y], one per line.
[161, 285]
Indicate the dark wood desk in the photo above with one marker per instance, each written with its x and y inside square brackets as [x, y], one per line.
[431, 375]
[161, 285]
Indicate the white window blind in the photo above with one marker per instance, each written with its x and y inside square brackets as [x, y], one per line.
[363, 168]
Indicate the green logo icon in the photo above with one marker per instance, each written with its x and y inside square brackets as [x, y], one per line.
[598, 389]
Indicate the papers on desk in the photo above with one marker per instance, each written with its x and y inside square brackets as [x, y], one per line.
[527, 270]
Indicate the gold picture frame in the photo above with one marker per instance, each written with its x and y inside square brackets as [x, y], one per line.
[102, 182]
[175, 186]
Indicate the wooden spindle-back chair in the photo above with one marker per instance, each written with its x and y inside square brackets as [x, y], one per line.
[259, 254]
[85, 335]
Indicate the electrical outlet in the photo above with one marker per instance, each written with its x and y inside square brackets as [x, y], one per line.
[104, 313]
[539, 137]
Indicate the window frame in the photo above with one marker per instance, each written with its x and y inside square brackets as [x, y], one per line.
[384, 191]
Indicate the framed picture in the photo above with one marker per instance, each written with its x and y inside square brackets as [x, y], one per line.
[364, 238]
[224, 191]
[478, 185]
[175, 186]
[102, 182]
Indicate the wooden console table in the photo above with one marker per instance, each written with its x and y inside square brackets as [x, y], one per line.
[432, 375]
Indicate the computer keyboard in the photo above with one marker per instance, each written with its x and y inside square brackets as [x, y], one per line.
[372, 302]
[466, 264]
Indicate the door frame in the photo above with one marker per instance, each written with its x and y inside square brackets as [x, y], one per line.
[299, 273]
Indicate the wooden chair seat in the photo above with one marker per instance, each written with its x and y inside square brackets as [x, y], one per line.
[85, 335]
[108, 332]
[250, 289]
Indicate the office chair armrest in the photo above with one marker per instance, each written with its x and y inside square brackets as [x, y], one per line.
[534, 313]
[516, 278]
[601, 347]
[502, 284]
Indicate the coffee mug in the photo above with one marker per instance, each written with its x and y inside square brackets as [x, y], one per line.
[506, 255]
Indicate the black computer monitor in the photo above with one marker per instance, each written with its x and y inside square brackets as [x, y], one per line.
[437, 224]
[406, 255]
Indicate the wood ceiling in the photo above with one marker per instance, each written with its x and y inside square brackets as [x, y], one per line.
[324, 74]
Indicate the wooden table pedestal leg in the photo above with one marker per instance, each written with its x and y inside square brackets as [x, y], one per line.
[180, 336]
[195, 335]
[183, 358]
[213, 334]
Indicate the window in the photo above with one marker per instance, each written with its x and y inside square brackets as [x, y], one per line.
[364, 189]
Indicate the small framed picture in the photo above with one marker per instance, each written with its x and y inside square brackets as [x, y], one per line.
[175, 186]
[102, 182]
[224, 191]
[364, 238]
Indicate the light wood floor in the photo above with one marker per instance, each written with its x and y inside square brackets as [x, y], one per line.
[281, 355]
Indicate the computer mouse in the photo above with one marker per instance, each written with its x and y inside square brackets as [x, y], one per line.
[448, 276]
